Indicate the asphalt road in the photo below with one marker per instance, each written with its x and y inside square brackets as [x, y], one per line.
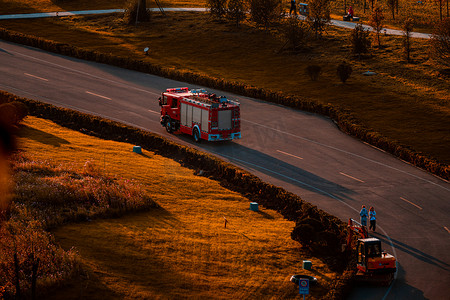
[301, 152]
[339, 23]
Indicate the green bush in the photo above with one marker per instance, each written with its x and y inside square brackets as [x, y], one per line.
[344, 70]
[359, 40]
[313, 72]
[304, 233]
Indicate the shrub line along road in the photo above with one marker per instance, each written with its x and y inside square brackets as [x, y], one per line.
[344, 24]
[301, 152]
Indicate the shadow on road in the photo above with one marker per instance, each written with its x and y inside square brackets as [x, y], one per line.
[258, 161]
[413, 252]
[399, 289]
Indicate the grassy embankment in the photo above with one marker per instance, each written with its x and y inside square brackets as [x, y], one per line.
[178, 249]
[406, 102]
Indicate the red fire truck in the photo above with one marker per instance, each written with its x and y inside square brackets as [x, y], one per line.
[201, 114]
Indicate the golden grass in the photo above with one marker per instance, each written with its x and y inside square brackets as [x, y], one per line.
[407, 102]
[181, 249]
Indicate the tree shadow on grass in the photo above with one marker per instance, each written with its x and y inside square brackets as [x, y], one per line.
[265, 215]
[42, 136]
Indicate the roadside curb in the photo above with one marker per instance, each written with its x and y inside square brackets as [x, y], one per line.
[329, 236]
[345, 121]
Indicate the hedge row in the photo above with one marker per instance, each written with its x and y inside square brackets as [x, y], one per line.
[344, 120]
[328, 232]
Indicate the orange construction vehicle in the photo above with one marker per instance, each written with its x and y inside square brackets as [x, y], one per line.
[373, 264]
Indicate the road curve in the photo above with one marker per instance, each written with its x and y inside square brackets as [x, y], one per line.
[301, 152]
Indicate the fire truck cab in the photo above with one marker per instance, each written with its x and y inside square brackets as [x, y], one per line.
[200, 114]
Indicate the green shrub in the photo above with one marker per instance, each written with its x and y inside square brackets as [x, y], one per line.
[344, 70]
[313, 72]
[359, 40]
[8, 114]
[304, 233]
[21, 110]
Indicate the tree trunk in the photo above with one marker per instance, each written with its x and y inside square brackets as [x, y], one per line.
[34, 271]
[142, 15]
[17, 271]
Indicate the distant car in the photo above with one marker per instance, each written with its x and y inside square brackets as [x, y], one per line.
[312, 280]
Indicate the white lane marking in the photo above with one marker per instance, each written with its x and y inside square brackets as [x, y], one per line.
[329, 195]
[85, 73]
[65, 105]
[447, 229]
[349, 153]
[411, 203]
[268, 127]
[94, 94]
[145, 129]
[155, 112]
[37, 77]
[354, 178]
[285, 153]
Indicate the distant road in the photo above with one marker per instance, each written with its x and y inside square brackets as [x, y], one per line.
[302, 152]
[343, 24]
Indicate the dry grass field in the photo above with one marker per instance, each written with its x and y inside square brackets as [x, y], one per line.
[180, 250]
[406, 102]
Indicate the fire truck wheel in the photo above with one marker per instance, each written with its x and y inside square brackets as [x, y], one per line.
[169, 125]
[196, 135]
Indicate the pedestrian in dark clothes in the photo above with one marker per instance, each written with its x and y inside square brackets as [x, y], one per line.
[373, 219]
[293, 8]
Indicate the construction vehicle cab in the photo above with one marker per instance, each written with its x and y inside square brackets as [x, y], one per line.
[372, 259]
[373, 265]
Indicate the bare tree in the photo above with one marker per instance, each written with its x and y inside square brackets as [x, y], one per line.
[236, 10]
[376, 21]
[217, 8]
[296, 33]
[266, 12]
[408, 26]
[393, 5]
[440, 42]
[319, 15]
[136, 11]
